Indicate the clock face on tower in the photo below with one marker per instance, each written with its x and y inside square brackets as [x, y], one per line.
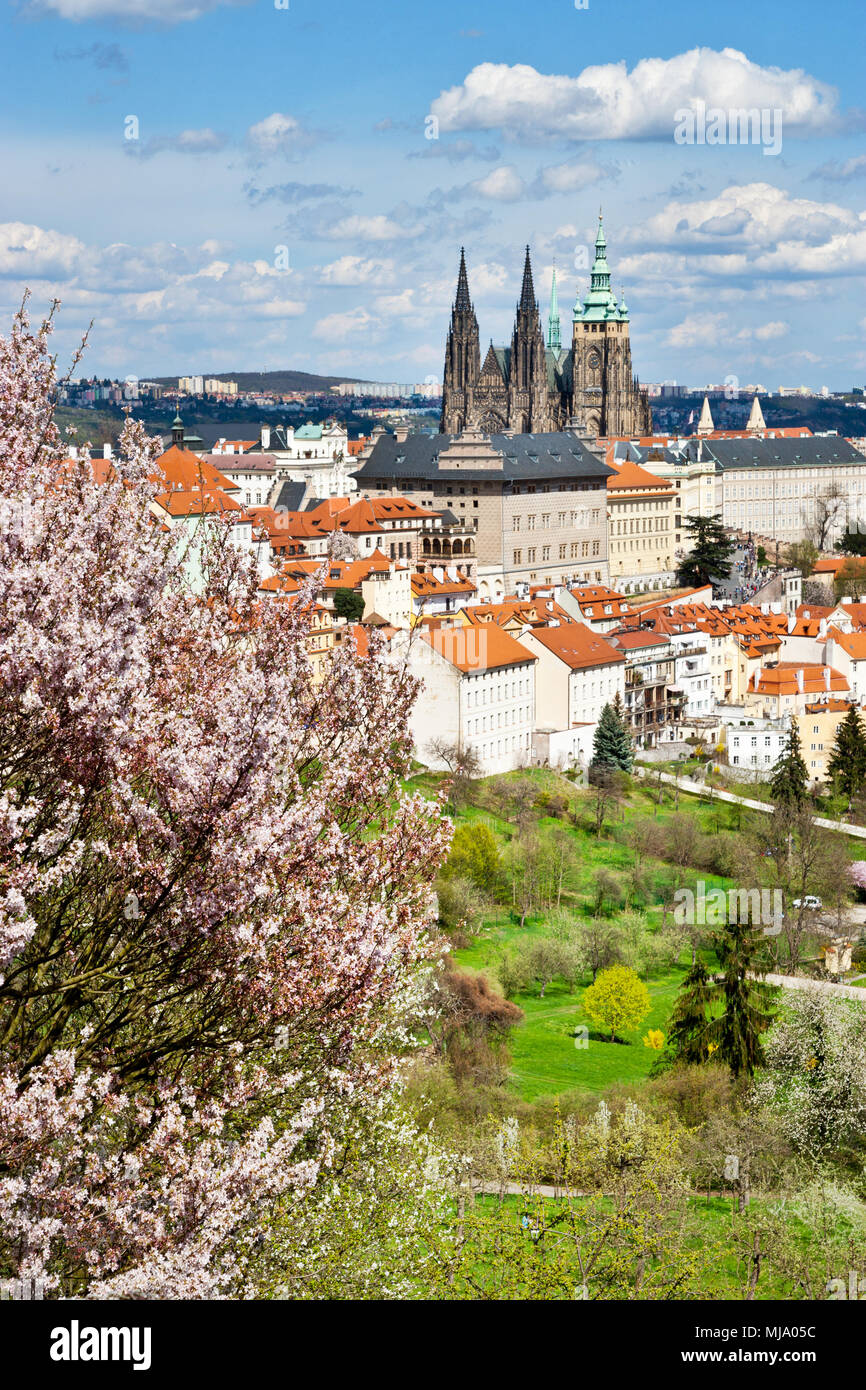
[594, 361]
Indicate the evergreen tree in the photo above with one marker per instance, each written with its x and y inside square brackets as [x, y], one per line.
[688, 1031]
[349, 604]
[612, 745]
[790, 775]
[710, 555]
[748, 1008]
[847, 765]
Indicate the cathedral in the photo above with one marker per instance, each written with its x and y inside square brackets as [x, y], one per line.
[533, 387]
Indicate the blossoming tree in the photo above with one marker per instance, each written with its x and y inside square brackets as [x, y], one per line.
[213, 892]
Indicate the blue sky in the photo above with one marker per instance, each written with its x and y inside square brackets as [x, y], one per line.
[260, 128]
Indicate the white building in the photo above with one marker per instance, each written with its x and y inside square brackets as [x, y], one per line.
[577, 674]
[478, 692]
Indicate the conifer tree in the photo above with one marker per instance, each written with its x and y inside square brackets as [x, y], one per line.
[688, 1032]
[710, 556]
[748, 1010]
[790, 776]
[612, 745]
[847, 765]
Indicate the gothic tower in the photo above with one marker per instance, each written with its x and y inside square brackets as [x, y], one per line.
[606, 394]
[462, 358]
[533, 387]
[527, 376]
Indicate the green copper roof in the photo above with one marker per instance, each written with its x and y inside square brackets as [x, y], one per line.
[600, 303]
[553, 325]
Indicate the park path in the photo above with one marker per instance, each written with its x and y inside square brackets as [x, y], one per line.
[823, 986]
[685, 784]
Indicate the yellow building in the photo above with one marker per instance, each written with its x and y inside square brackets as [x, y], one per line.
[640, 512]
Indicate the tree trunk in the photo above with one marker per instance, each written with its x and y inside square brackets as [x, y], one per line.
[744, 1196]
[755, 1271]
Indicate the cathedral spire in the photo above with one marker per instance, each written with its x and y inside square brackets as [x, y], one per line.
[553, 324]
[756, 423]
[527, 292]
[462, 301]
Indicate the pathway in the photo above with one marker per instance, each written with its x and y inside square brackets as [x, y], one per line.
[685, 784]
[823, 986]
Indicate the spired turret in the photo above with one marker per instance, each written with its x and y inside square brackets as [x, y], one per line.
[756, 424]
[705, 424]
[553, 323]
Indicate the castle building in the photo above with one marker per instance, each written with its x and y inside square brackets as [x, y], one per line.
[538, 387]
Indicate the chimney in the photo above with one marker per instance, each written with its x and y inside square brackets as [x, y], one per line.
[266, 436]
[106, 451]
[800, 682]
[822, 627]
[826, 677]
[400, 433]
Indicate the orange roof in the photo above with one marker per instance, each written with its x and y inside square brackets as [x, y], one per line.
[578, 646]
[537, 613]
[630, 477]
[854, 643]
[813, 610]
[428, 586]
[477, 648]
[186, 472]
[835, 706]
[829, 565]
[199, 504]
[783, 679]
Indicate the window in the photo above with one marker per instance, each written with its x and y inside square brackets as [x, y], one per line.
[530, 555]
[562, 550]
[530, 522]
[545, 552]
[518, 557]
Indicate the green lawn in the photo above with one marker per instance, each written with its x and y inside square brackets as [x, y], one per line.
[545, 1059]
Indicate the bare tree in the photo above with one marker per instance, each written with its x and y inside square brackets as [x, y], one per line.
[829, 509]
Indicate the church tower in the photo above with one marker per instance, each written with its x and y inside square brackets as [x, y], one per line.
[462, 358]
[527, 377]
[606, 394]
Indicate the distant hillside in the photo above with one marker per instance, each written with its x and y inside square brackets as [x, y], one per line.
[270, 381]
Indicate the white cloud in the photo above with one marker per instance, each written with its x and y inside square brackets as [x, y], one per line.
[357, 227]
[32, 252]
[569, 177]
[353, 323]
[279, 134]
[204, 141]
[777, 329]
[503, 185]
[161, 11]
[747, 232]
[354, 270]
[698, 330]
[607, 102]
